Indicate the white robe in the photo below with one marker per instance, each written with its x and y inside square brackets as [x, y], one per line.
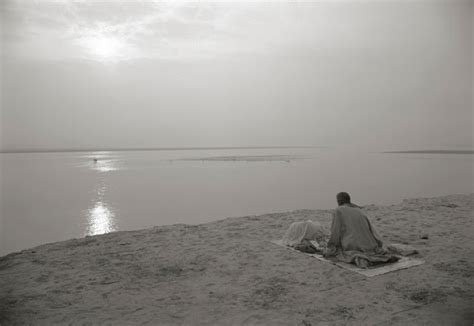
[306, 230]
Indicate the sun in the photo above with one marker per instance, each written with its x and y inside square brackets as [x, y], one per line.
[103, 48]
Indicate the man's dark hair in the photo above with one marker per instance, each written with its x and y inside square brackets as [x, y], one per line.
[343, 198]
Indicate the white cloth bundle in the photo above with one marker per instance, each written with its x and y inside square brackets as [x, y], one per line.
[306, 230]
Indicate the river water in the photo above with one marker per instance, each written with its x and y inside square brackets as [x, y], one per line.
[47, 197]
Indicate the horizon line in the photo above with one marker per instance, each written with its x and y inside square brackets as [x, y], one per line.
[26, 151]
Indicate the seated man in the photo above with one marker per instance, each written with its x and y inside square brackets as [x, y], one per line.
[353, 239]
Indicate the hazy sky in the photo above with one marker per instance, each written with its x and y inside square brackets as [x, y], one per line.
[97, 74]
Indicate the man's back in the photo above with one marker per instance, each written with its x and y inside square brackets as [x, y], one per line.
[351, 230]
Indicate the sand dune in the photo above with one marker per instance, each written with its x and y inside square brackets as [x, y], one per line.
[228, 273]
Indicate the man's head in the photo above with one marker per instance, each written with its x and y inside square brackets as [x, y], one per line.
[343, 198]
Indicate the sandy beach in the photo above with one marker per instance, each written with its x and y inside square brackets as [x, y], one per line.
[228, 273]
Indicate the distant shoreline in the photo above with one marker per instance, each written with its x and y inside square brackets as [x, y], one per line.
[438, 151]
[149, 149]
[246, 158]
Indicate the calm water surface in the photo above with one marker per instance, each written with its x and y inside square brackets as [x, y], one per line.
[47, 197]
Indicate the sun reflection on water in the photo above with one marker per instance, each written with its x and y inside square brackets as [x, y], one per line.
[101, 162]
[100, 217]
[105, 165]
